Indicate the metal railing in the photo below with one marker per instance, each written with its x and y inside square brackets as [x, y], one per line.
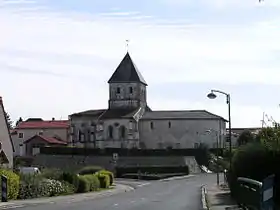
[255, 195]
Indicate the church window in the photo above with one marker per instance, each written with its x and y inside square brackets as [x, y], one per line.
[118, 90]
[122, 132]
[130, 90]
[169, 124]
[152, 125]
[110, 131]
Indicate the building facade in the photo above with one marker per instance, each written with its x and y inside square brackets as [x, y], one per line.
[6, 144]
[128, 122]
[26, 130]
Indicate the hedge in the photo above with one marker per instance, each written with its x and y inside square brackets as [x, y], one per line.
[122, 151]
[110, 174]
[152, 170]
[13, 183]
[89, 170]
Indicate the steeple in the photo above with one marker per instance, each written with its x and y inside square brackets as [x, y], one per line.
[127, 86]
[127, 72]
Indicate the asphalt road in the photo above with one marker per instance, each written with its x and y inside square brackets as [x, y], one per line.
[158, 195]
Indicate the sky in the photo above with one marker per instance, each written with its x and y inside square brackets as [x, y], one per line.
[57, 56]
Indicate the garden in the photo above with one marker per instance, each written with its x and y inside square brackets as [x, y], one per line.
[54, 182]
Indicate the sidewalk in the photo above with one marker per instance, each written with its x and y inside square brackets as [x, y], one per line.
[218, 198]
[118, 188]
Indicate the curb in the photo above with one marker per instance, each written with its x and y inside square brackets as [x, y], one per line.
[176, 178]
[67, 198]
[203, 198]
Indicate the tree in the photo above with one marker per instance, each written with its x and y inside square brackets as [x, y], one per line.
[9, 121]
[203, 155]
[19, 121]
[245, 137]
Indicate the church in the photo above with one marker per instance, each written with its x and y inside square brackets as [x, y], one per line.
[129, 122]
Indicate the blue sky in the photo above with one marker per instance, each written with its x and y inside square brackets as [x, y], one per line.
[56, 56]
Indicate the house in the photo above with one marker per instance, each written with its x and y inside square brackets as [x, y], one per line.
[129, 122]
[33, 144]
[6, 145]
[36, 129]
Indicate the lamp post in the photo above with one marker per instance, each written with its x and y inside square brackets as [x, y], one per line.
[217, 153]
[212, 95]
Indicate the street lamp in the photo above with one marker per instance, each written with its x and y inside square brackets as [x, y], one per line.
[212, 95]
[217, 152]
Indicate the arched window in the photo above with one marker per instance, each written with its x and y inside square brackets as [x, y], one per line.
[122, 132]
[110, 131]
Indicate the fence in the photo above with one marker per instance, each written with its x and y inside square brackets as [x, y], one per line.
[255, 195]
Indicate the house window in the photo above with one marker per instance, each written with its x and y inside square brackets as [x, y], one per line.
[20, 135]
[110, 131]
[130, 90]
[152, 125]
[118, 90]
[169, 124]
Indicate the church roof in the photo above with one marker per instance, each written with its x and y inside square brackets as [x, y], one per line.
[181, 114]
[127, 72]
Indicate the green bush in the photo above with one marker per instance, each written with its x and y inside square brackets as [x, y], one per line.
[84, 185]
[104, 180]
[93, 181]
[13, 183]
[35, 186]
[110, 174]
[71, 179]
[89, 170]
[51, 173]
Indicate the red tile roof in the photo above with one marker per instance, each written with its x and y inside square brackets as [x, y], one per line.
[50, 140]
[44, 124]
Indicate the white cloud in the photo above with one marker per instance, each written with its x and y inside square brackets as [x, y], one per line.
[74, 55]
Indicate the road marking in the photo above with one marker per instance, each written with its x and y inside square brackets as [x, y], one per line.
[132, 201]
[141, 185]
[116, 204]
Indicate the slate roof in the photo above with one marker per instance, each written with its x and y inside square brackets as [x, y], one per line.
[184, 114]
[50, 140]
[92, 113]
[118, 113]
[127, 72]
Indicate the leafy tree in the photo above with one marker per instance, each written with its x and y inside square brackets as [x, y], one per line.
[203, 155]
[245, 137]
[18, 121]
[270, 136]
[9, 121]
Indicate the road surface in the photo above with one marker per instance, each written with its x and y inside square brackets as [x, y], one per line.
[182, 194]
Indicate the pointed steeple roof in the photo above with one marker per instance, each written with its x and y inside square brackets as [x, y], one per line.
[127, 72]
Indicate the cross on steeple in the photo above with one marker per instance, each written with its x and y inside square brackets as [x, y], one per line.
[127, 42]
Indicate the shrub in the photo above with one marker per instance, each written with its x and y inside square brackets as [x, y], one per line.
[51, 173]
[84, 185]
[93, 181]
[89, 170]
[31, 186]
[110, 174]
[71, 179]
[104, 180]
[13, 183]
[35, 186]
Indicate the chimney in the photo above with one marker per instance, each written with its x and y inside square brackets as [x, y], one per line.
[53, 119]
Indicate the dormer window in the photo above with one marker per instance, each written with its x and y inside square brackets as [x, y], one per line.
[118, 90]
[130, 90]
